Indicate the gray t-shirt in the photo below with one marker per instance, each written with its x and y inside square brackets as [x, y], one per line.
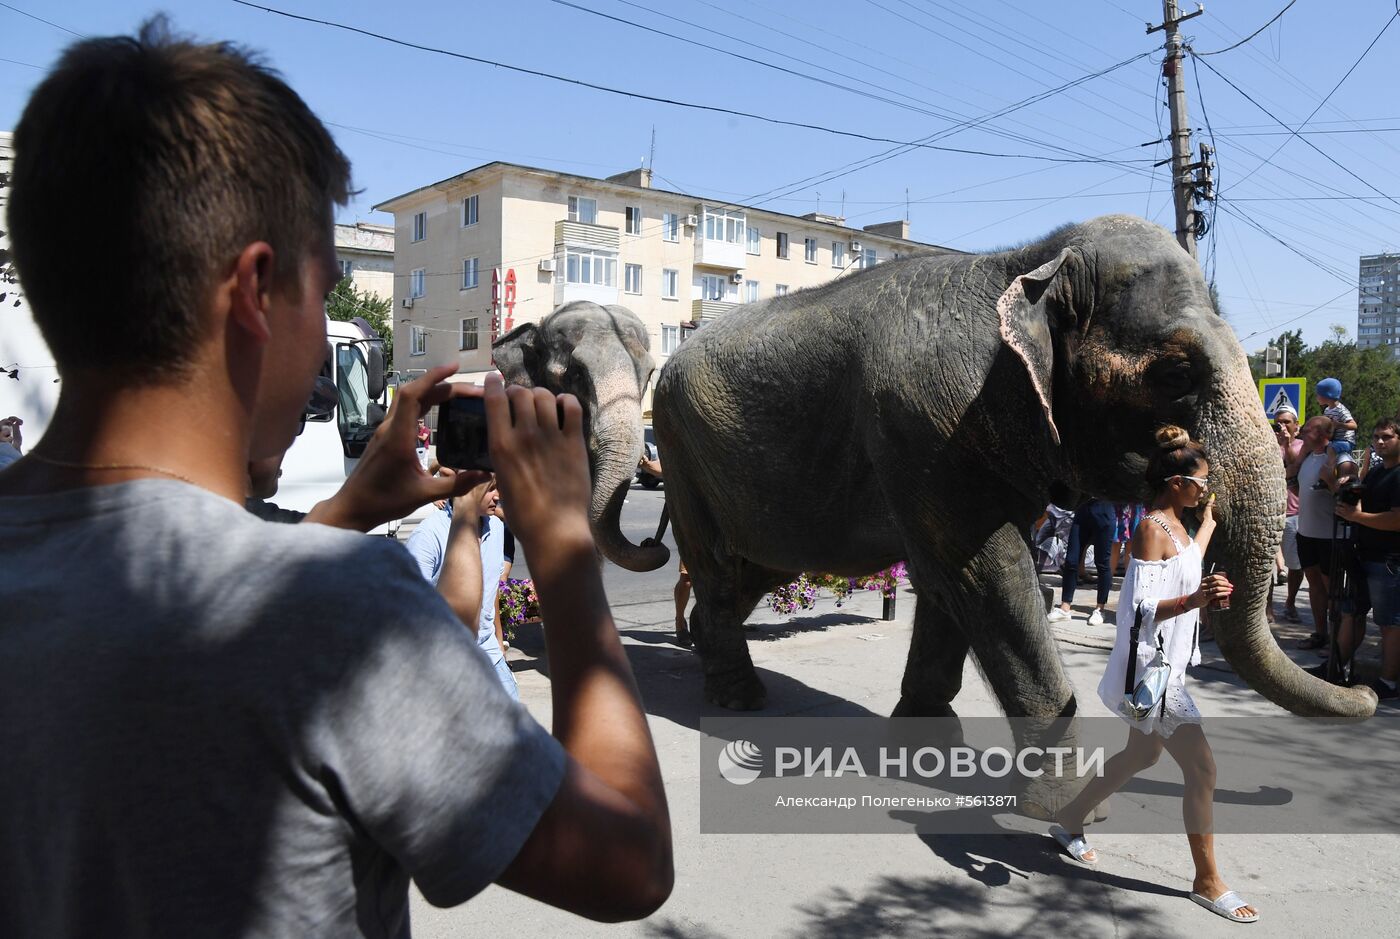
[215, 726]
[1317, 508]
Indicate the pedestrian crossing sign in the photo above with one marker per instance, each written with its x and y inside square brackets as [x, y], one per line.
[1275, 393]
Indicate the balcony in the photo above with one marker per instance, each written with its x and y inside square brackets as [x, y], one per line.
[721, 254]
[584, 235]
[709, 309]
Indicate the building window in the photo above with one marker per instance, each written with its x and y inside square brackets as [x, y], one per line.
[468, 211]
[416, 285]
[670, 226]
[868, 261]
[670, 338]
[838, 254]
[587, 267]
[471, 267]
[420, 226]
[750, 291]
[809, 250]
[755, 240]
[417, 340]
[467, 338]
[632, 278]
[634, 220]
[725, 225]
[713, 286]
[780, 290]
[782, 244]
[583, 210]
[670, 284]
[346, 267]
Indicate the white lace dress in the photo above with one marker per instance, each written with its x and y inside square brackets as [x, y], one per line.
[1145, 582]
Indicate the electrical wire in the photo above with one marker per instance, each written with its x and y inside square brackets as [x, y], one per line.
[1391, 19]
[1246, 39]
[41, 20]
[688, 104]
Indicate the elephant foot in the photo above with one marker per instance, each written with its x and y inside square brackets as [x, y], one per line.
[944, 730]
[1042, 797]
[736, 690]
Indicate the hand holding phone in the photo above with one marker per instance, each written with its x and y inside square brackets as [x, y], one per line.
[462, 436]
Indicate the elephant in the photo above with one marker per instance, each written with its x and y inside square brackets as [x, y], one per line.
[921, 410]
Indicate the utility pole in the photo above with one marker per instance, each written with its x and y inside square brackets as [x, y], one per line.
[1183, 185]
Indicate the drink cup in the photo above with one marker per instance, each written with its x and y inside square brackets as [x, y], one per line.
[1223, 604]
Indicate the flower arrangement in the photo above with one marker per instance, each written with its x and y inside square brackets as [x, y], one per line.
[516, 605]
[802, 593]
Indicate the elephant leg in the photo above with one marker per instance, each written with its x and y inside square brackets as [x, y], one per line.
[933, 672]
[996, 600]
[725, 594]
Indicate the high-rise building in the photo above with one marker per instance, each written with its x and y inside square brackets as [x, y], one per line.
[1378, 302]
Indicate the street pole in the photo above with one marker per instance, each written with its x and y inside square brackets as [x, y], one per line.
[1183, 186]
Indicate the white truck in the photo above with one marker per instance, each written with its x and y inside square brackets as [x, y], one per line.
[349, 403]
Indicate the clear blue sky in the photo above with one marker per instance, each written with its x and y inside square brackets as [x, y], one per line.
[407, 117]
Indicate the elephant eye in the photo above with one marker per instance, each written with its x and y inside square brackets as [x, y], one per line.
[1173, 379]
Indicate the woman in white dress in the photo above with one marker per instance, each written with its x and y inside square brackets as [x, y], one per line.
[1164, 580]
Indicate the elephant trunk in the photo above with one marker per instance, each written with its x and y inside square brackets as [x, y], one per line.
[615, 446]
[1247, 472]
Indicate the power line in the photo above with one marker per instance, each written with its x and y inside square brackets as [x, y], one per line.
[691, 105]
[41, 20]
[1391, 19]
[1270, 331]
[1246, 39]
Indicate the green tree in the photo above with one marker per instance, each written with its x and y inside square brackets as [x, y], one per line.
[345, 303]
[1370, 378]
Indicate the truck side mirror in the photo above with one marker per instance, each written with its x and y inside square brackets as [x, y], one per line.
[377, 370]
[324, 397]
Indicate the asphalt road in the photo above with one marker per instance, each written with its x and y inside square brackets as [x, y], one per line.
[849, 662]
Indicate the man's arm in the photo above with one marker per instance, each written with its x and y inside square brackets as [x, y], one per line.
[460, 580]
[1388, 520]
[603, 847]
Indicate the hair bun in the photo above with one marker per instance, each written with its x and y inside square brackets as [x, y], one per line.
[1172, 437]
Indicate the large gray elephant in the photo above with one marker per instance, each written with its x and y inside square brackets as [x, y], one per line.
[922, 410]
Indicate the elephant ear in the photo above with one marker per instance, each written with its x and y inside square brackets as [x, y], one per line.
[517, 355]
[1032, 308]
[633, 335]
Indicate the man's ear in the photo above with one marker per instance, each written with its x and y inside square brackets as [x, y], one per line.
[1032, 309]
[252, 277]
[517, 355]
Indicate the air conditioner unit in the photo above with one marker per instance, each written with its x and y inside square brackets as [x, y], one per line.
[547, 264]
[736, 278]
[408, 303]
[855, 247]
[692, 220]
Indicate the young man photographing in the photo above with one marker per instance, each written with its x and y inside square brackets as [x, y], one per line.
[212, 725]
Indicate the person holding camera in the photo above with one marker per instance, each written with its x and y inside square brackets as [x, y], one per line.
[217, 726]
[1316, 518]
[1376, 517]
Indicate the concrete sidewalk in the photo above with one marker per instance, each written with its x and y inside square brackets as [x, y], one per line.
[847, 661]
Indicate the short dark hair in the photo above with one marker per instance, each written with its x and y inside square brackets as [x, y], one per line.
[1387, 423]
[1176, 455]
[180, 154]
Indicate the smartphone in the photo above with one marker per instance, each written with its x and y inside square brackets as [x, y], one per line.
[461, 434]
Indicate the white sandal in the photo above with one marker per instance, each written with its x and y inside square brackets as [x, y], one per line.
[1226, 905]
[1075, 845]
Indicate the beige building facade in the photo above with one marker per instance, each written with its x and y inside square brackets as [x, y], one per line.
[502, 245]
[365, 253]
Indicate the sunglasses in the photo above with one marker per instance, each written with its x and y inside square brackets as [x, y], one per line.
[1203, 483]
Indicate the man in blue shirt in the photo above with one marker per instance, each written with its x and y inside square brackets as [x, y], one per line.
[454, 547]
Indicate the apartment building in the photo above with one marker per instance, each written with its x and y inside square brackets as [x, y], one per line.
[1378, 302]
[365, 253]
[502, 244]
